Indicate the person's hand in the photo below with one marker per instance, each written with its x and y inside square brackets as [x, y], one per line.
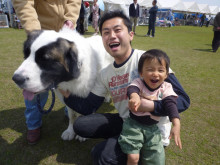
[68, 24]
[218, 28]
[175, 132]
[150, 97]
[66, 94]
[134, 102]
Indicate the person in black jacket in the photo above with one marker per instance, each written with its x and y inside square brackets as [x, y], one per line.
[152, 19]
[202, 20]
[216, 29]
[80, 21]
[134, 14]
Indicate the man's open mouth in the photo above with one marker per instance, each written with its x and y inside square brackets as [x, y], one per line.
[114, 45]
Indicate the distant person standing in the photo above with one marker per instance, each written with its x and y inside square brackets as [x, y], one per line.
[208, 20]
[134, 14]
[152, 19]
[86, 16]
[216, 29]
[95, 17]
[203, 17]
[80, 20]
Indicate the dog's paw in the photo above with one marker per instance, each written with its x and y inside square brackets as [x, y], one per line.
[81, 139]
[68, 135]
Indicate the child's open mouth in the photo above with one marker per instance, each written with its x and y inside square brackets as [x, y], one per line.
[154, 81]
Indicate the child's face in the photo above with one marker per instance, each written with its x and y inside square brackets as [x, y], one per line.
[154, 73]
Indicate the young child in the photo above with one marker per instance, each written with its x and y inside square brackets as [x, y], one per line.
[140, 132]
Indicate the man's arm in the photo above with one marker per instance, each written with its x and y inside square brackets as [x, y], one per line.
[27, 14]
[72, 9]
[84, 106]
[183, 100]
[156, 106]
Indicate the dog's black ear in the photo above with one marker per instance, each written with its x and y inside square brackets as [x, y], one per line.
[72, 61]
[31, 36]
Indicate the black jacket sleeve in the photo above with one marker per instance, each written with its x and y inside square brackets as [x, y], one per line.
[84, 106]
[183, 100]
[169, 104]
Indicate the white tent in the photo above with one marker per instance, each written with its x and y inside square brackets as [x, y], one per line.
[204, 8]
[180, 7]
[214, 9]
[167, 4]
[192, 7]
[116, 6]
[121, 2]
[144, 3]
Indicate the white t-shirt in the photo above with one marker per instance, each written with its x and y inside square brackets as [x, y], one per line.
[116, 81]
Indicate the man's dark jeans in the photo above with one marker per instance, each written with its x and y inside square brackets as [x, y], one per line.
[107, 126]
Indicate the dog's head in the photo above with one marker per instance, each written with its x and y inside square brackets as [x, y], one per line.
[48, 59]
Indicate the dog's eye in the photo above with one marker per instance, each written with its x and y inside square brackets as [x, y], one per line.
[46, 56]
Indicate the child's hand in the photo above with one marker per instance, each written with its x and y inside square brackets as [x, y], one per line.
[134, 102]
[151, 97]
[175, 132]
[66, 94]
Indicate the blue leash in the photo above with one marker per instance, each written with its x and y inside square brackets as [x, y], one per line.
[51, 106]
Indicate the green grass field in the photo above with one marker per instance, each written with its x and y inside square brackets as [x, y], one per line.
[195, 66]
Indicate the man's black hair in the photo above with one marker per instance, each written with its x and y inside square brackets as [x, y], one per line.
[113, 14]
[154, 54]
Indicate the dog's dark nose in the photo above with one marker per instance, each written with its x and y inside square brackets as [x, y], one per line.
[18, 79]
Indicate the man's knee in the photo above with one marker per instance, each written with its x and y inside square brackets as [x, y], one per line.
[79, 127]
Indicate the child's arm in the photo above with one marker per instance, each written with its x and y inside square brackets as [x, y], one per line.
[169, 104]
[175, 132]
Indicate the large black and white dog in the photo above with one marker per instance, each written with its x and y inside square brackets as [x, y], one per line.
[64, 58]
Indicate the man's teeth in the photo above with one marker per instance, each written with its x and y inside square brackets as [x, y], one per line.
[114, 45]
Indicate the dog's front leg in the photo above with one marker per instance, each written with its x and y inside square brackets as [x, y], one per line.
[69, 133]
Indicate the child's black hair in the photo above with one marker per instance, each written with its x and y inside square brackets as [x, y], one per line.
[112, 14]
[151, 54]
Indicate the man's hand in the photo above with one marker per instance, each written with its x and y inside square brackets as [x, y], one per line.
[134, 102]
[175, 132]
[68, 24]
[66, 94]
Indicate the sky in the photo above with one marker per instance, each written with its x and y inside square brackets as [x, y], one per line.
[209, 2]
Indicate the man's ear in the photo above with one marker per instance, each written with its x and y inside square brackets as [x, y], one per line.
[71, 61]
[131, 33]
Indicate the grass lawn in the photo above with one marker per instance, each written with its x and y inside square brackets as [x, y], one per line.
[195, 66]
